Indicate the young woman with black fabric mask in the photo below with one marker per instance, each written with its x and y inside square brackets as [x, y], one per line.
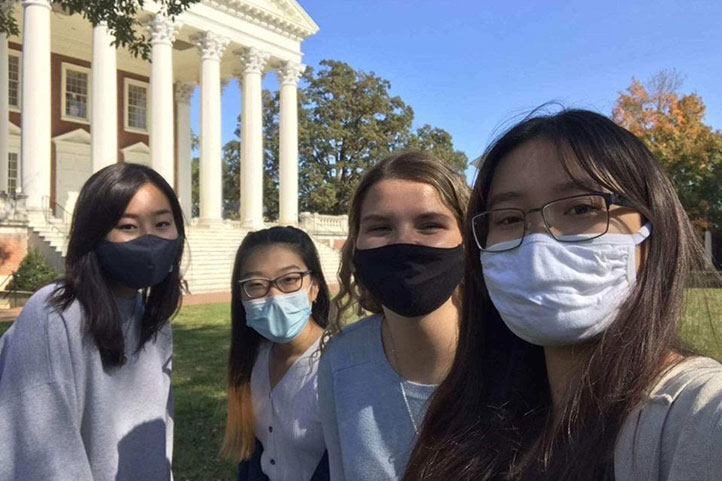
[402, 262]
[568, 366]
[279, 307]
[85, 388]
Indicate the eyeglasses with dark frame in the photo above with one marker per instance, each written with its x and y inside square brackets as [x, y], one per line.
[257, 287]
[570, 219]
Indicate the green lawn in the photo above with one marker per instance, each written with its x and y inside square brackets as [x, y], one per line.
[201, 336]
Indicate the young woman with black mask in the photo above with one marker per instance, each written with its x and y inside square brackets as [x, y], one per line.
[279, 308]
[402, 262]
[85, 388]
[568, 366]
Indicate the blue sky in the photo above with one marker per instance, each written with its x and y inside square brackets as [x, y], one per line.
[471, 67]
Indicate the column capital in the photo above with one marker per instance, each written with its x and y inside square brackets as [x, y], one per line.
[163, 29]
[253, 60]
[290, 72]
[211, 45]
[183, 92]
[28, 3]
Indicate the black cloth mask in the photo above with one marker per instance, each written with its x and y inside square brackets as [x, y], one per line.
[411, 280]
[140, 263]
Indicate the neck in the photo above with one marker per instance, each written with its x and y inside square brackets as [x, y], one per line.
[421, 349]
[563, 365]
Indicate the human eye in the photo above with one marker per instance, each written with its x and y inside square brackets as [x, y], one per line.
[126, 227]
[583, 207]
[378, 228]
[164, 224]
[290, 279]
[506, 219]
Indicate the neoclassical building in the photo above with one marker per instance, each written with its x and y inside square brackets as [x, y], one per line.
[70, 103]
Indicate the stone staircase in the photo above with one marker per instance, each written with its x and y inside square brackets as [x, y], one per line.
[207, 262]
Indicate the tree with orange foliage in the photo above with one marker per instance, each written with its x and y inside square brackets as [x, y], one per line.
[672, 125]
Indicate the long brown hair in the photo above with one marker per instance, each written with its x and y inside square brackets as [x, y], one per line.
[239, 439]
[491, 418]
[412, 166]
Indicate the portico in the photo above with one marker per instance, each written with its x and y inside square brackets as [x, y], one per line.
[105, 106]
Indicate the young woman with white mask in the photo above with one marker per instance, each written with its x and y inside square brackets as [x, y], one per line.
[569, 366]
[402, 262]
[279, 307]
[85, 371]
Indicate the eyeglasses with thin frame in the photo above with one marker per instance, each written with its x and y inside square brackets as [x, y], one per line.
[569, 219]
[257, 287]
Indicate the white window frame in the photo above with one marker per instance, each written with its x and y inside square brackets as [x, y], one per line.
[18, 177]
[126, 105]
[78, 68]
[19, 56]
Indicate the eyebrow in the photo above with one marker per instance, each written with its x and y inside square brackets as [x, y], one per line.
[510, 195]
[255, 274]
[155, 214]
[423, 216]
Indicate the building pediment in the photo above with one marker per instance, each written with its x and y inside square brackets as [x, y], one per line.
[137, 148]
[14, 129]
[285, 15]
[77, 136]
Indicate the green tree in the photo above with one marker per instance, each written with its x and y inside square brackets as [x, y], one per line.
[347, 122]
[121, 16]
[33, 273]
[672, 126]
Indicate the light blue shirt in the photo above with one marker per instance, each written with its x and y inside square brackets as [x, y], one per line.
[368, 418]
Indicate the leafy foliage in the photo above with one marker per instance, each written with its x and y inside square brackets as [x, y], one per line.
[33, 273]
[347, 121]
[121, 16]
[672, 126]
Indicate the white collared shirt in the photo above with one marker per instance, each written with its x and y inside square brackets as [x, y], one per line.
[287, 417]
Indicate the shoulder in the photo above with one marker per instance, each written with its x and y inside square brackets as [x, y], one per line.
[355, 344]
[39, 315]
[695, 382]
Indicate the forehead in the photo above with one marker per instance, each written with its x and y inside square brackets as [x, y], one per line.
[269, 261]
[399, 197]
[147, 198]
[536, 169]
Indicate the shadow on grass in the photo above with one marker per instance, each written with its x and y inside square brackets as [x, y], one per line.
[199, 376]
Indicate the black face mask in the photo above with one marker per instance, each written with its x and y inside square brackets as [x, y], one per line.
[140, 263]
[411, 280]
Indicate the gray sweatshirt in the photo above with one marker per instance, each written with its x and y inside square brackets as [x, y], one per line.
[676, 435]
[64, 417]
[367, 410]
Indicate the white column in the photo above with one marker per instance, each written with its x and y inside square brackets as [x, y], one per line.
[288, 144]
[4, 107]
[252, 139]
[104, 118]
[183, 94]
[163, 31]
[35, 104]
[708, 244]
[210, 170]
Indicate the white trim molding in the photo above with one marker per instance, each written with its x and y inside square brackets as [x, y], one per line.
[127, 81]
[65, 66]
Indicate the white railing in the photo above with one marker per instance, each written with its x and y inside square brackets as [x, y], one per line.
[321, 224]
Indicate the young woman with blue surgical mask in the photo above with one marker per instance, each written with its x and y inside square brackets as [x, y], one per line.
[279, 308]
[402, 263]
[569, 364]
[85, 371]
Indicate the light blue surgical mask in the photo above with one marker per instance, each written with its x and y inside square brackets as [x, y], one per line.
[279, 318]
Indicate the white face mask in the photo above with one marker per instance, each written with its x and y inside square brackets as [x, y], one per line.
[555, 293]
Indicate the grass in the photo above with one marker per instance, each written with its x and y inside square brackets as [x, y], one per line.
[201, 335]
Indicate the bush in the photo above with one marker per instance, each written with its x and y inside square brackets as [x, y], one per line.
[34, 272]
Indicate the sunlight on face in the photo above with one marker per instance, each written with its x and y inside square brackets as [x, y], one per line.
[274, 261]
[148, 212]
[399, 211]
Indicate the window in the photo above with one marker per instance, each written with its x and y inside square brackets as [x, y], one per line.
[12, 171]
[76, 98]
[136, 106]
[14, 81]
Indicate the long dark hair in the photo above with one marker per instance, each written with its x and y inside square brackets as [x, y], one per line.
[492, 418]
[101, 203]
[239, 439]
